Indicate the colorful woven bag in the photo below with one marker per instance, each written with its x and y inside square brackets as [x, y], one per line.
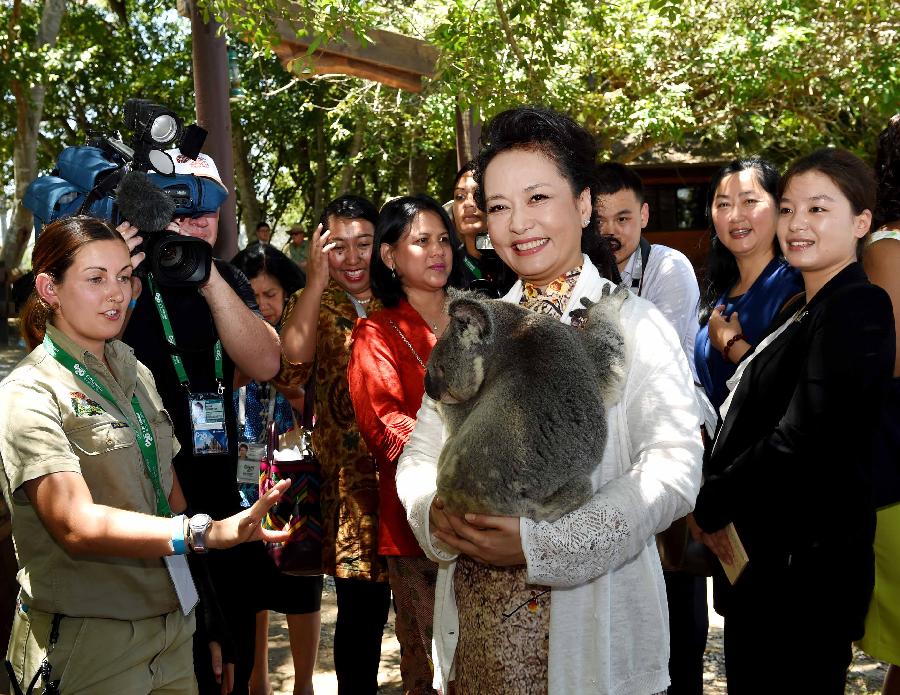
[298, 510]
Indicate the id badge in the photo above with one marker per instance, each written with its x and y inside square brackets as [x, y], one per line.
[185, 589]
[208, 424]
[249, 455]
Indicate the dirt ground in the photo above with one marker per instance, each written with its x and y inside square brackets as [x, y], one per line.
[866, 675]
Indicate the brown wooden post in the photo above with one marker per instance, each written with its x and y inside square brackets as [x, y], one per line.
[467, 133]
[212, 90]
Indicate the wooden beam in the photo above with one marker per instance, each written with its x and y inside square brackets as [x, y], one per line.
[295, 60]
[387, 50]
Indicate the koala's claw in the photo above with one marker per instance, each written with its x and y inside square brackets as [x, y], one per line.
[579, 314]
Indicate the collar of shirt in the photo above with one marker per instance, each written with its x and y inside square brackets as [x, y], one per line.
[552, 299]
[627, 273]
[121, 359]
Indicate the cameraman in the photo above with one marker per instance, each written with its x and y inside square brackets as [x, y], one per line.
[213, 329]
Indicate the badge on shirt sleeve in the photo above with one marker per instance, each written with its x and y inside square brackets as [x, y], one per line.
[208, 424]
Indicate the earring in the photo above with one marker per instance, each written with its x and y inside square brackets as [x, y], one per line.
[586, 222]
[393, 274]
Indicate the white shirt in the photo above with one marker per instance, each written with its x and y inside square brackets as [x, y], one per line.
[609, 629]
[670, 284]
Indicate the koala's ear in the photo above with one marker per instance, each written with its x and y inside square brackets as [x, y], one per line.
[474, 317]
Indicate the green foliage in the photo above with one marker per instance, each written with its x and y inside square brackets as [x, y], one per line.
[647, 76]
[96, 65]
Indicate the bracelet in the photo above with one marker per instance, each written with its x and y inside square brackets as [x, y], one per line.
[179, 547]
[731, 341]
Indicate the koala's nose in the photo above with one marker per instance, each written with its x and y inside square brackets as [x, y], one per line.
[434, 382]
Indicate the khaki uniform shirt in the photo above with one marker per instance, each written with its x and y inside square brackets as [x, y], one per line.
[296, 253]
[51, 422]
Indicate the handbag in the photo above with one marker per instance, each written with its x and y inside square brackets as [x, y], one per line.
[298, 510]
[679, 552]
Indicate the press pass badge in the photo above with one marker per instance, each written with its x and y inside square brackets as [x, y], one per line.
[208, 424]
[249, 454]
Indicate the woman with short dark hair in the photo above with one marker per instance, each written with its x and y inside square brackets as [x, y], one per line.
[747, 278]
[576, 605]
[274, 278]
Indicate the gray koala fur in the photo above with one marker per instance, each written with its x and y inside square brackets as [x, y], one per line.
[524, 400]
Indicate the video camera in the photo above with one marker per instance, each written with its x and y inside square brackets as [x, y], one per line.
[137, 182]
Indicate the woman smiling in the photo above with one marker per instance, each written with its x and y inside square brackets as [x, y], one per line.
[791, 464]
[577, 605]
[414, 264]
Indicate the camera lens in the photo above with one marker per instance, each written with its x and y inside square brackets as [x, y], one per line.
[171, 256]
[180, 261]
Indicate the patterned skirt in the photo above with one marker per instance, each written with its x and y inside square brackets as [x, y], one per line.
[504, 631]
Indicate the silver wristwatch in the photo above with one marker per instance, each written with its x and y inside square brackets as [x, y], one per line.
[198, 530]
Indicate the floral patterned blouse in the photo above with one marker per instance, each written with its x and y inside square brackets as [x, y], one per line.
[349, 492]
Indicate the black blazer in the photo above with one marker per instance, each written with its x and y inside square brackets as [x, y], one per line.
[791, 465]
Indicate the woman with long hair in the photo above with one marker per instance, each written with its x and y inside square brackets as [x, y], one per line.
[576, 605]
[747, 278]
[881, 260]
[414, 263]
[480, 268]
[274, 278]
[106, 598]
[790, 468]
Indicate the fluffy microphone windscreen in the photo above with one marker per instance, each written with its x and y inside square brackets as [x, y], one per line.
[143, 204]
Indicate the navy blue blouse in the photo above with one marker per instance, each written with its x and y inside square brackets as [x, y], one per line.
[756, 308]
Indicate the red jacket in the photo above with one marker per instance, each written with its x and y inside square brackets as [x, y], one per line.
[386, 385]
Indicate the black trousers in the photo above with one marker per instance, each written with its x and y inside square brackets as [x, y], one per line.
[789, 629]
[688, 626]
[235, 575]
[362, 613]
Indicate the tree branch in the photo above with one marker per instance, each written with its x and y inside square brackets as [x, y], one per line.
[511, 37]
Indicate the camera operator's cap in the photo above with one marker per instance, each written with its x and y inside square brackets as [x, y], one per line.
[202, 166]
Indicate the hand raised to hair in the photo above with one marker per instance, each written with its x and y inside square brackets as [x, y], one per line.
[317, 261]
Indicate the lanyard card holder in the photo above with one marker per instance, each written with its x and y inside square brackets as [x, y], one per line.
[208, 435]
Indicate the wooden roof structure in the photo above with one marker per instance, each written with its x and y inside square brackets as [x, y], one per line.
[391, 59]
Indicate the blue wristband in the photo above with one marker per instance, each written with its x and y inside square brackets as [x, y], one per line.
[178, 545]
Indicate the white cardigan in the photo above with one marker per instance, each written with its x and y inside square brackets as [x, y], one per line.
[609, 627]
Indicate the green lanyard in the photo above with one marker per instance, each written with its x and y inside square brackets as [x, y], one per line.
[146, 441]
[170, 337]
[474, 269]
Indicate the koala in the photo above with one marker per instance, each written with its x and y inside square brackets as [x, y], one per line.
[524, 399]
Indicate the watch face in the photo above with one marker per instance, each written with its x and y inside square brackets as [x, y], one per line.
[199, 525]
[200, 522]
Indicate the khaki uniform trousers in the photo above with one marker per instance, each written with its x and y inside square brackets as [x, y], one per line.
[101, 656]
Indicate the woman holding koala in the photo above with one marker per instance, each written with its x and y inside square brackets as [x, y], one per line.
[576, 605]
[415, 261]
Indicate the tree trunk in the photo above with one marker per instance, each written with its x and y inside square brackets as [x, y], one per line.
[29, 112]
[355, 147]
[418, 166]
[243, 176]
[319, 197]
